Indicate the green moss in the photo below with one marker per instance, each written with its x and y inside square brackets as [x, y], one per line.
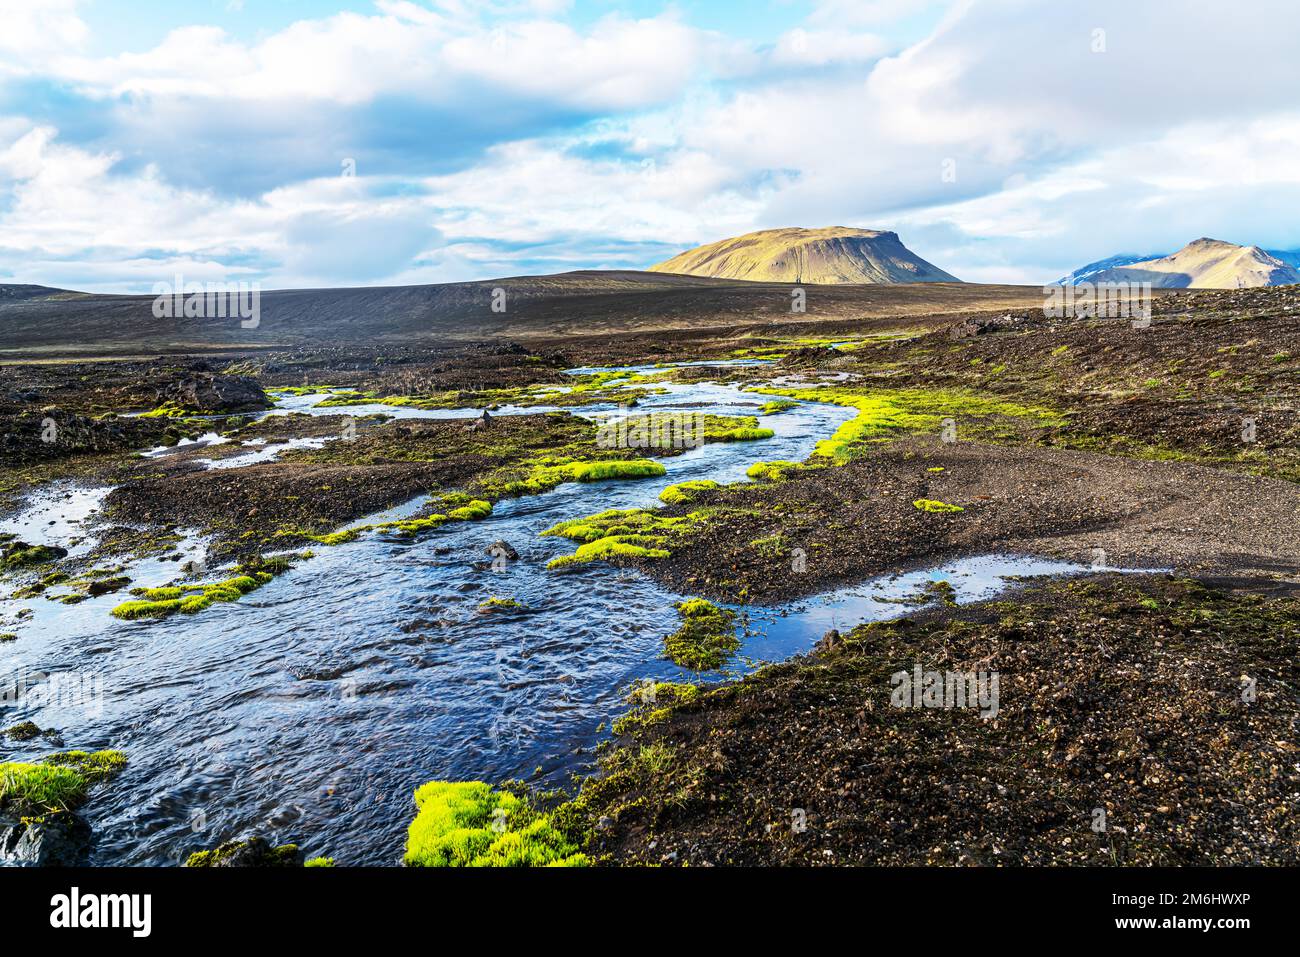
[17, 554]
[777, 471]
[468, 824]
[655, 702]
[337, 538]
[773, 546]
[166, 411]
[319, 862]
[931, 505]
[623, 533]
[887, 413]
[740, 435]
[473, 511]
[494, 603]
[776, 406]
[60, 782]
[188, 599]
[684, 491]
[733, 428]
[542, 476]
[706, 637]
[611, 547]
[254, 852]
[413, 526]
[23, 731]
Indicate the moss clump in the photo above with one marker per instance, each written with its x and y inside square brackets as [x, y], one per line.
[932, 505]
[254, 852]
[337, 538]
[16, 554]
[655, 702]
[777, 406]
[742, 434]
[468, 824]
[632, 533]
[473, 511]
[499, 604]
[734, 428]
[611, 547]
[705, 639]
[685, 491]
[167, 411]
[318, 862]
[777, 471]
[539, 476]
[60, 782]
[23, 731]
[886, 413]
[188, 599]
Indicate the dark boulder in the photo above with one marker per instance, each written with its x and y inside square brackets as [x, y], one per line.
[212, 392]
[52, 840]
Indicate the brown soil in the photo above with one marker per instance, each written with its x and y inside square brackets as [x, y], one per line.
[1126, 697]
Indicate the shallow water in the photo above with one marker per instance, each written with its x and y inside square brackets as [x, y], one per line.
[309, 710]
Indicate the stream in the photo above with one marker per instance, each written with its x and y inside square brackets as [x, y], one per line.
[309, 710]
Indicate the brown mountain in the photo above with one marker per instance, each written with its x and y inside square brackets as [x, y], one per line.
[832, 255]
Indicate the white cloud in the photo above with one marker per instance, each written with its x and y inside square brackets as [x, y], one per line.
[1060, 154]
[35, 29]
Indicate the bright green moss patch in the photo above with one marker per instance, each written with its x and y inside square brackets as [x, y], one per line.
[931, 505]
[166, 411]
[337, 538]
[734, 428]
[188, 599]
[685, 491]
[776, 406]
[192, 598]
[888, 413]
[60, 782]
[654, 701]
[471, 512]
[318, 862]
[777, 471]
[499, 604]
[541, 476]
[706, 637]
[468, 824]
[611, 547]
[634, 533]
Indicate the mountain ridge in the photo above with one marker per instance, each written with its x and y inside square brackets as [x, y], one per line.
[830, 255]
[1203, 263]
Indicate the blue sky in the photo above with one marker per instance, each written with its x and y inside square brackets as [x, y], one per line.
[306, 142]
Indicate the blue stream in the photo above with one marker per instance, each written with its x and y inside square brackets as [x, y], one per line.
[309, 710]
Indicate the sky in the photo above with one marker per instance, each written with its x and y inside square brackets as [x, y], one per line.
[300, 143]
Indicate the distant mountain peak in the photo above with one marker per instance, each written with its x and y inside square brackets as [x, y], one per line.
[826, 255]
[1204, 263]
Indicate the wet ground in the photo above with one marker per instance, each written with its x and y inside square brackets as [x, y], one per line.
[309, 710]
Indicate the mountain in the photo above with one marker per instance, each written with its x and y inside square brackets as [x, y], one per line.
[1289, 256]
[1206, 264]
[1085, 273]
[833, 255]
